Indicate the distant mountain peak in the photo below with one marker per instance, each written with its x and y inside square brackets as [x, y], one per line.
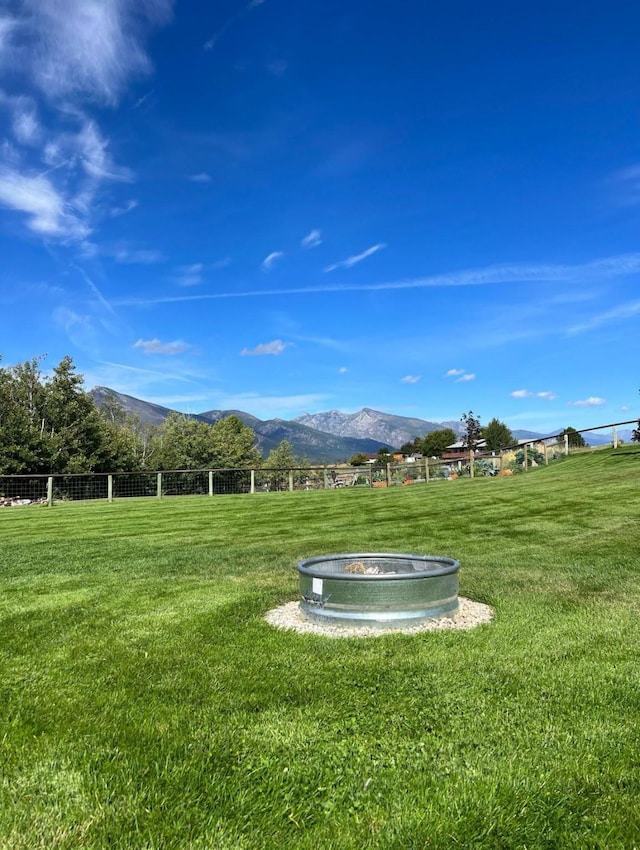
[327, 437]
[316, 445]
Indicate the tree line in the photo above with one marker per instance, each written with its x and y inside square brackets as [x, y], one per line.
[496, 436]
[51, 425]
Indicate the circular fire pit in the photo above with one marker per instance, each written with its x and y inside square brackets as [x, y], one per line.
[378, 589]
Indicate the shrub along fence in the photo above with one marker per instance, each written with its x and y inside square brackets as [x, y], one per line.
[48, 489]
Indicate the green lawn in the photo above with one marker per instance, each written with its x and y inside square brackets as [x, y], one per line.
[145, 703]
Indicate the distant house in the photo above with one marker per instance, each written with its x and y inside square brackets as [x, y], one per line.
[458, 451]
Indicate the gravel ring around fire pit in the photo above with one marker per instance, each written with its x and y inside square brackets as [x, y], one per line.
[289, 617]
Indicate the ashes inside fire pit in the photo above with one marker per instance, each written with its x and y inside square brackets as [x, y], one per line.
[378, 589]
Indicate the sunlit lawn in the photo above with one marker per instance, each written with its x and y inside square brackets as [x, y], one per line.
[145, 703]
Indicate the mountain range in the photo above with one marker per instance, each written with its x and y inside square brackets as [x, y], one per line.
[320, 437]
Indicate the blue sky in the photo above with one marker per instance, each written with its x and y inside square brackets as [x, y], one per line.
[287, 207]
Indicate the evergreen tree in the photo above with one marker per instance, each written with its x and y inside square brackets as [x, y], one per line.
[497, 435]
[78, 439]
[576, 440]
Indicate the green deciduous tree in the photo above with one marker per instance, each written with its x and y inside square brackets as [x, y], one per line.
[434, 443]
[576, 440]
[281, 460]
[384, 455]
[50, 425]
[234, 444]
[359, 459]
[497, 435]
[24, 446]
[182, 442]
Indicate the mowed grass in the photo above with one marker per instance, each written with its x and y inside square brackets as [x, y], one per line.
[145, 703]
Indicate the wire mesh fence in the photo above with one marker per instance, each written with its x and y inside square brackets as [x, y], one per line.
[49, 489]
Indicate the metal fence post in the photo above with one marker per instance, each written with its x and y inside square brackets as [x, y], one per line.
[566, 444]
[388, 475]
[50, 491]
[546, 454]
[324, 478]
[471, 463]
[109, 488]
[253, 481]
[615, 437]
[525, 457]
[426, 470]
[291, 480]
[159, 486]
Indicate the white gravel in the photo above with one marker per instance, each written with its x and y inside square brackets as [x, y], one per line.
[468, 615]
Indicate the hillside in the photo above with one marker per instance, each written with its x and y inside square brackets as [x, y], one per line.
[387, 428]
[311, 443]
[326, 437]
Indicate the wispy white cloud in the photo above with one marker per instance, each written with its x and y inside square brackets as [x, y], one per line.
[592, 401]
[276, 346]
[75, 54]
[627, 185]
[81, 329]
[91, 49]
[277, 67]
[139, 381]
[202, 177]
[156, 346]
[269, 407]
[144, 99]
[312, 239]
[127, 255]
[94, 289]
[356, 258]
[545, 394]
[461, 375]
[93, 149]
[410, 379]
[342, 370]
[211, 42]
[610, 267]
[48, 211]
[269, 262]
[24, 118]
[127, 207]
[70, 319]
[7, 28]
[189, 275]
[193, 274]
[616, 314]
